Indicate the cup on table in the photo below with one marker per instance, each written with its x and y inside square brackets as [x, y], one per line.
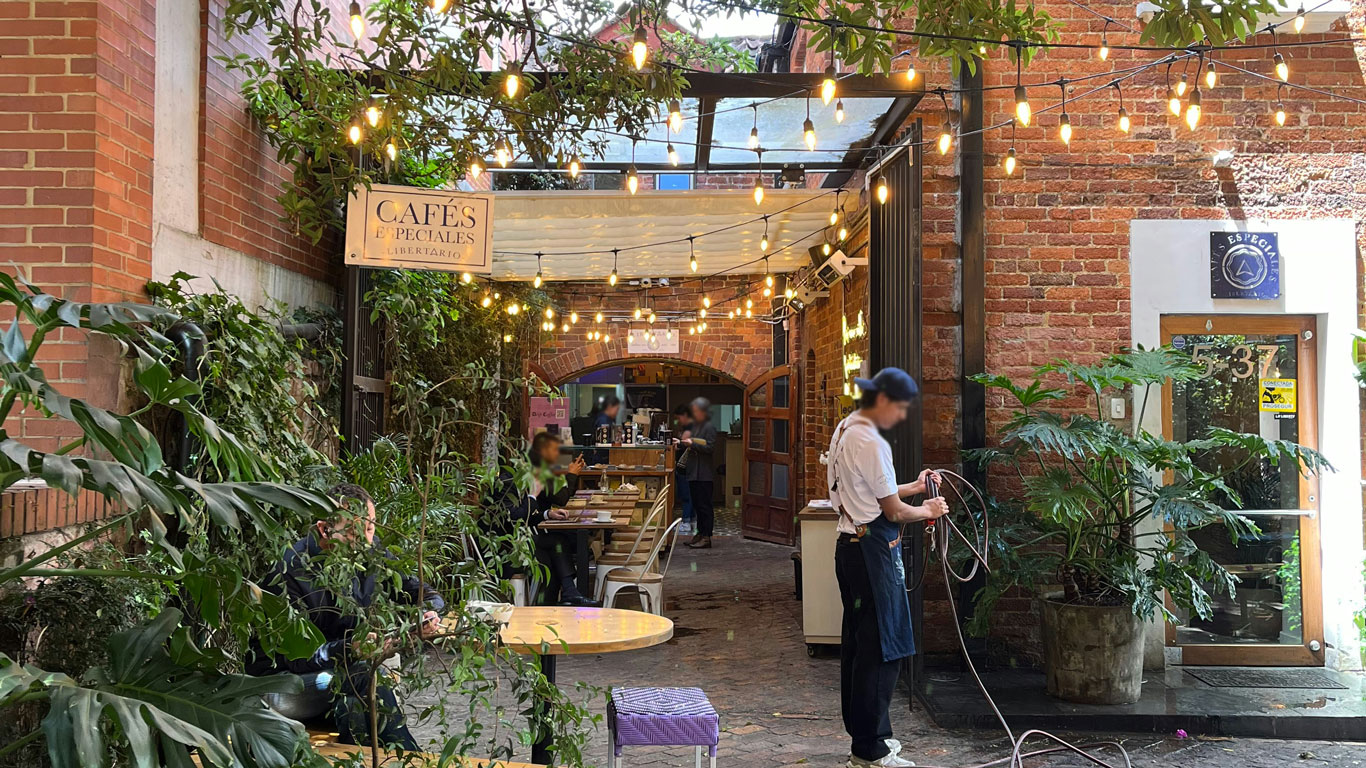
[604, 515]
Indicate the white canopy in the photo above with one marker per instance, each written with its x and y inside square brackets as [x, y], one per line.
[576, 231]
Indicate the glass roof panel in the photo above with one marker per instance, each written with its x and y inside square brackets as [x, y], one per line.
[655, 149]
[780, 130]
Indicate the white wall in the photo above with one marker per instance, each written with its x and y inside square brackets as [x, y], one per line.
[176, 244]
[1169, 270]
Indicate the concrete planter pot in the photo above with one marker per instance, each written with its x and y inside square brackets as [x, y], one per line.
[1092, 654]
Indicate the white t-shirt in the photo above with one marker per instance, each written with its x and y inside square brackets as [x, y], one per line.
[862, 462]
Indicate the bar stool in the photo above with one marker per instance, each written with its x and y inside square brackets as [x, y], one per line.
[662, 717]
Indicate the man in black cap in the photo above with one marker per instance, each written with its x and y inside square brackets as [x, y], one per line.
[876, 630]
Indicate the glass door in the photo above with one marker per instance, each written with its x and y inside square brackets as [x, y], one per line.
[1260, 376]
[770, 412]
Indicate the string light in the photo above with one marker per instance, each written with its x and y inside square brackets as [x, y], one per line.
[945, 138]
[809, 134]
[632, 178]
[575, 166]
[639, 313]
[514, 308]
[507, 338]
[1023, 112]
[1280, 106]
[759, 190]
[673, 155]
[466, 278]
[391, 149]
[574, 317]
[373, 114]
[910, 74]
[1104, 51]
[1065, 129]
[882, 191]
[475, 168]
[612, 279]
[640, 48]
[1010, 162]
[1124, 123]
[440, 5]
[1211, 76]
[839, 111]
[536, 283]
[597, 318]
[1182, 85]
[828, 84]
[754, 132]
[354, 133]
[1173, 101]
[1282, 69]
[357, 21]
[512, 81]
[502, 152]
[1299, 20]
[675, 116]
[763, 241]
[692, 255]
[1193, 110]
[486, 302]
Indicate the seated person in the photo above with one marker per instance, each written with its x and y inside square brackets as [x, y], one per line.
[344, 658]
[555, 549]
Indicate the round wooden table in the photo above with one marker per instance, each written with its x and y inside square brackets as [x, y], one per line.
[550, 631]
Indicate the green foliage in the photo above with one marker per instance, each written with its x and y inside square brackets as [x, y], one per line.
[254, 381]
[1179, 23]
[1291, 586]
[1359, 355]
[1088, 485]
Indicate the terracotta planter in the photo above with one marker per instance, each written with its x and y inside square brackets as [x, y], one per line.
[1092, 655]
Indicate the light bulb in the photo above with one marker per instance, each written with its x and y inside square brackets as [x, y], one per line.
[651, 317]
[668, 333]
[910, 74]
[673, 155]
[1193, 110]
[754, 137]
[768, 280]
[597, 318]
[630, 337]
[701, 313]
[1182, 85]
[466, 278]
[612, 280]
[639, 313]
[391, 149]
[834, 217]
[574, 317]
[1065, 129]
[787, 293]
[372, 115]
[537, 282]
[758, 191]
[440, 5]
[749, 303]
[1023, 112]
[1280, 114]
[692, 263]
[843, 233]
[825, 249]
[640, 48]
[1010, 162]
[692, 331]
[1211, 76]
[1104, 50]
[1299, 20]
[1173, 102]
[828, 85]
[730, 315]
[945, 140]
[675, 116]
[564, 328]
[354, 133]
[763, 243]
[486, 301]
[575, 167]
[809, 134]
[475, 168]
[514, 308]
[768, 292]
[503, 153]
[702, 328]
[607, 338]
[706, 301]
[512, 82]
[507, 338]
[1124, 123]
[1282, 69]
[357, 21]
[839, 111]
[882, 191]
[632, 179]
[749, 313]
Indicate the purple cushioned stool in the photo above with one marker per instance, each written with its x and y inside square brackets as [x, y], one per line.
[662, 716]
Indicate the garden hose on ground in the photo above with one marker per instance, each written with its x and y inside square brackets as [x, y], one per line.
[941, 534]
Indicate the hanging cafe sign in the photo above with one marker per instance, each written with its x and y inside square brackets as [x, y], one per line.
[397, 227]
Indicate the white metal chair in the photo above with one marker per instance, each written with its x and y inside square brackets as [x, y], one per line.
[648, 582]
[635, 557]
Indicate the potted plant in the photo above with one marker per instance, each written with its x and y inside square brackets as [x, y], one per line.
[1107, 513]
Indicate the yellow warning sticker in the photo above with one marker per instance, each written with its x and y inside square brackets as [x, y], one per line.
[1277, 396]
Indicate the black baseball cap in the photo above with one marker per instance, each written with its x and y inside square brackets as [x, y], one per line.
[895, 383]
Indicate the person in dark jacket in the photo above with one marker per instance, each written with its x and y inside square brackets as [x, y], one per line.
[555, 549]
[605, 416]
[683, 428]
[701, 472]
[345, 659]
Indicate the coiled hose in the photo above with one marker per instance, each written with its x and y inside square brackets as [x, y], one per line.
[941, 534]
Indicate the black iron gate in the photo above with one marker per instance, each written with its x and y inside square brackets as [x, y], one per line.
[364, 365]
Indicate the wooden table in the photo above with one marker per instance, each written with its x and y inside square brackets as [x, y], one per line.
[549, 631]
[585, 523]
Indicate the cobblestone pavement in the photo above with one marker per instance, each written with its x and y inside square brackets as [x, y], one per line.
[737, 635]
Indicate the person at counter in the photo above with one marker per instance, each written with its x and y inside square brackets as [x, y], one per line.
[606, 416]
[700, 444]
[876, 630]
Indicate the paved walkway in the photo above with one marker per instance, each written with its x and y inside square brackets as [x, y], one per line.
[738, 636]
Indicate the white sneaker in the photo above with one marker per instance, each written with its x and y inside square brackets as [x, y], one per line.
[889, 760]
[893, 745]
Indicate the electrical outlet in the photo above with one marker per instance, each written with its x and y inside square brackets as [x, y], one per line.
[1116, 407]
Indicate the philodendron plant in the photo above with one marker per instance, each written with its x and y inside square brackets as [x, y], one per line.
[1106, 511]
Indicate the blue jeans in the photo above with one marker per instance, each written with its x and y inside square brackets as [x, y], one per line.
[683, 494]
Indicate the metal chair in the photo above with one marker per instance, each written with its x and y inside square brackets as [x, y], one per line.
[648, 582]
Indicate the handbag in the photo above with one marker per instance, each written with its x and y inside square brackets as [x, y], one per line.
[683, 459]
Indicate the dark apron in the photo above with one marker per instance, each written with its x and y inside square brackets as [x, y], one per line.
[881, 546]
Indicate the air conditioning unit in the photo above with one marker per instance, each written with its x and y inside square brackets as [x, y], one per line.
[837, 267]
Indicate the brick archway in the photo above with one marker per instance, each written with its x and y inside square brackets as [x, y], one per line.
[572, 363]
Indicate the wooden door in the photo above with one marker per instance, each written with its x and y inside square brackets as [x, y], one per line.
[1261, 376]
[768, 511]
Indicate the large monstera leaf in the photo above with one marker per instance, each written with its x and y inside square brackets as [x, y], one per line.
[163, 709]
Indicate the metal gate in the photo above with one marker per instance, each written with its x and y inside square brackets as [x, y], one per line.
[364, 365]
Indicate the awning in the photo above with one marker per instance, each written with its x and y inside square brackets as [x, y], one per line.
[576, 231]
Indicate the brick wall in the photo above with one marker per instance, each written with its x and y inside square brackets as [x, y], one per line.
[741, 349]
